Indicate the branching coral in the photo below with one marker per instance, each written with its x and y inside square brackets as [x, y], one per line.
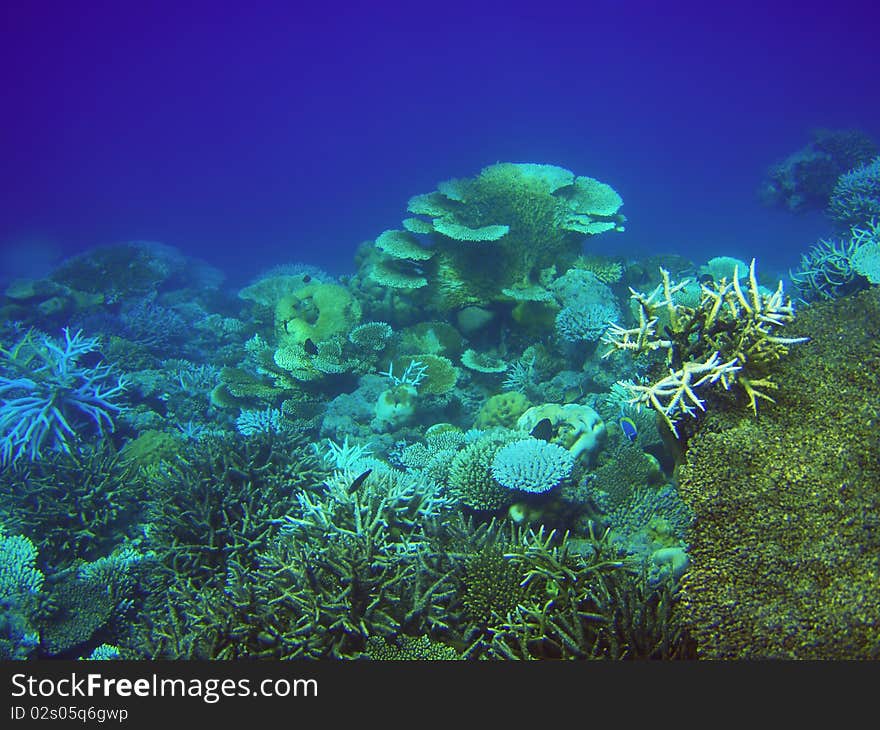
[826, 271]
[856, 196]
[729, 338]
[48, 396]
[77, 505]
[213, 512]
[349, 566]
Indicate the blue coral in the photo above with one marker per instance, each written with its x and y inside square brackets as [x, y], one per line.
[532, 465]
[856, 196]
[47, 396]
[588, 306]
[585, 322]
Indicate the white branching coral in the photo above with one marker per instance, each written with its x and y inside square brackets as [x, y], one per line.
[674, 395]
[730, 337]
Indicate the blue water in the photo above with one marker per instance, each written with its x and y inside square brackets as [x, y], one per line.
[281, 134]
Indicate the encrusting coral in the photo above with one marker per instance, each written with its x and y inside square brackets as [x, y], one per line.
[783, 548]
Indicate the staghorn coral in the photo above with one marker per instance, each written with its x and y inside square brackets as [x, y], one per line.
[786, 507]
[250, 422]
[349, 566]
[77, 506]
[576, 600]
[49, 396]
[730, 338]
[213, 513]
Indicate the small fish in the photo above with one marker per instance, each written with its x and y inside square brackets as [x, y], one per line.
[306, 278]
[707, 279]
[543, 430]
[310, 347]
[353, 487]
[628, 426]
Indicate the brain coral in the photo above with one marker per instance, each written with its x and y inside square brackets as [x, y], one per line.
[785, 539]
[502, 409]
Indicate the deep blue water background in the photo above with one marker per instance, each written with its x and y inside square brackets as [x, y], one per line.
[270, 133]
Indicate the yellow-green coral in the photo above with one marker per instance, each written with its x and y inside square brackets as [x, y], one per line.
[605, 270]
[316, 311]
[783, 548]
[502, 409]
[470, 480]
[531, 216]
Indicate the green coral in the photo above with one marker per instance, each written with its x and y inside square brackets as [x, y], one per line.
[500, 229]
[470, 481]
[731, 338]
[213, 513]
[787, 506]
[440, 375]
[502, 409]
[77, 505]
[491, 586]
[409, 648]
[316, 311]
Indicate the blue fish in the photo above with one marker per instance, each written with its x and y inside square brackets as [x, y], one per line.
[628, 426]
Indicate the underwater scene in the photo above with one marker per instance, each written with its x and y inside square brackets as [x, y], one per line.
[474, 404]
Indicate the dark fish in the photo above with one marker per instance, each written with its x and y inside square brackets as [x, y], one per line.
[358, 481]
[306, 278]
[310, 347]
[543, 430]
[707, 279]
